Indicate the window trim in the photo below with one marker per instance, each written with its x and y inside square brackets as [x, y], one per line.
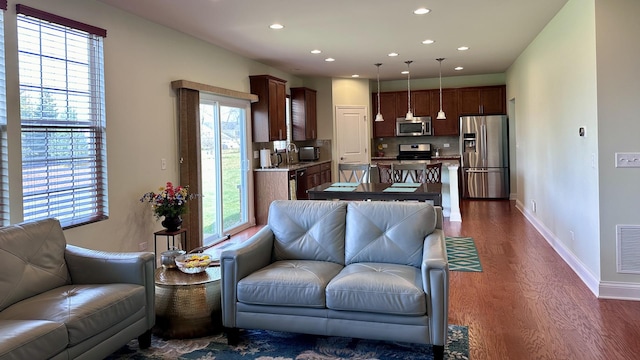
[57, 19]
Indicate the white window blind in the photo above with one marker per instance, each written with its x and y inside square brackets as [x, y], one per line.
[64, 173]
[4, 177]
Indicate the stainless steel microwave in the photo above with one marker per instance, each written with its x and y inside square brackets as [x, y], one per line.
[418, 126]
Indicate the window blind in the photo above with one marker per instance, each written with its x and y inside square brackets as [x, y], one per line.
[61, 68]
[4, 177]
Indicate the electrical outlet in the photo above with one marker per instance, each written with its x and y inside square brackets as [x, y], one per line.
[142, 246]
[573, 238]
[445, 145]
[163, 164]
[533, 205]
[630, 159]
[384, 146]
[256, 154]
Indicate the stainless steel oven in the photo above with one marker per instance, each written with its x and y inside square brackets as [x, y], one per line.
[418, 126]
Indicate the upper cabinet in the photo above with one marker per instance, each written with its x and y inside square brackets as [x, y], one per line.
[487, 100]
[268, 114]
[386, 128]
[421, 102]
[304, 114]
[449, 126]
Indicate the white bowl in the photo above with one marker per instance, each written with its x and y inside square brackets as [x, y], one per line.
[193, 263]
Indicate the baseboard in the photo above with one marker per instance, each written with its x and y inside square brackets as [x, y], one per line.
[619, 291]
[574, 263]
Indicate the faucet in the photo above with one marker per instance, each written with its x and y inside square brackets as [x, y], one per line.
[291, 148]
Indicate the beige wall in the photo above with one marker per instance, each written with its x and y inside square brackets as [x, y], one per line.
[618, 51]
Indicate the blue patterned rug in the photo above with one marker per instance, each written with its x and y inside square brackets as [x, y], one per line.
[462, 254]
[272, 345]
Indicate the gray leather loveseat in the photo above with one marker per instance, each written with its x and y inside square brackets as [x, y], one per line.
[373, 270]
[60, 301]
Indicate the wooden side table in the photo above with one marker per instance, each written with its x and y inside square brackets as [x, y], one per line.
[170, 235]
[187, 305]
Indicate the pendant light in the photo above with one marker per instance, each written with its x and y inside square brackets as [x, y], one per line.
[409, 115]
[441, 115]
[379, 116]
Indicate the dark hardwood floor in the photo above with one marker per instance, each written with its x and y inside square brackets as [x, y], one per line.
[527, 303]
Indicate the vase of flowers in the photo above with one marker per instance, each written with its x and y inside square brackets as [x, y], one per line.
[170, 202]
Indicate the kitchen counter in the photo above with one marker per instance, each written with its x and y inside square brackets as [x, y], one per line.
[441, 157]
[293, 166]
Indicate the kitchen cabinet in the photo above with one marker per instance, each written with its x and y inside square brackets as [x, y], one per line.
[268, 113]
[386, 128]
[325, 173]
[304, 114]
[421, 103]
[487, 100]
[313, 178]
[450, 126]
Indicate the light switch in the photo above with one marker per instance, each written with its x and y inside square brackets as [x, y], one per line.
[627, 160]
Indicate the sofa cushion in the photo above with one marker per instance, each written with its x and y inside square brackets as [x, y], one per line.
[31, 339]
[308, 230]
[31, 260]
[288, 283]
[85, 310]
[378, 288]
[393, 233]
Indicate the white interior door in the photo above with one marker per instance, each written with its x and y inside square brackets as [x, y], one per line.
[351, 132]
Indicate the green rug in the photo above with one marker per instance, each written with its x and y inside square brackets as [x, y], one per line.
[273, 345]
[462, 254]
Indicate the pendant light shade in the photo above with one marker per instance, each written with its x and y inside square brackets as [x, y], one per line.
[441, 115]
[409, 115]
[379, 116]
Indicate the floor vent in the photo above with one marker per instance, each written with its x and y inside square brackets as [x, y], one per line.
[628, 248]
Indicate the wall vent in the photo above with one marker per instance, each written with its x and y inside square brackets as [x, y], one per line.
[628, 248]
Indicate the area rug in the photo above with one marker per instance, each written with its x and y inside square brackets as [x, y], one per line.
[273, 345]
[462, 254]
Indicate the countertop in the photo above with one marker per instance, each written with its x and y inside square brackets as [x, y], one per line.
[293, 166]
[441, 157]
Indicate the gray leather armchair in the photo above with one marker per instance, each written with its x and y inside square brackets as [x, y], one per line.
[61, 301]
[375, 270]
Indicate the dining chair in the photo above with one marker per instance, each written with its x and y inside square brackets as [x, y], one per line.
[433, 174]
[385, 175]
[354, 172]
[408, 172]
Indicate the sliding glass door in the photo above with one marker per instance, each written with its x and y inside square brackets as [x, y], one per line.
[224, 166]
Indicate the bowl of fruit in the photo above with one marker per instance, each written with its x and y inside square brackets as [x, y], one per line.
[193, 263]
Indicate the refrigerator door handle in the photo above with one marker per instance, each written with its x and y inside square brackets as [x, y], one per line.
[483, 129]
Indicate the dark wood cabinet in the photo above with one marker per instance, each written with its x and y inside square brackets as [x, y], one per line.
[268, 113]
[450, 126]
[386, 128]
[421, 102]
[486, 100]
[325, 173]
[304, 114]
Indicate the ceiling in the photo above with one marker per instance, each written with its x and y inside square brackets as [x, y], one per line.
[358, 34]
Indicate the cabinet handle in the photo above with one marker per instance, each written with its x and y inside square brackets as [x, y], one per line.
[279, 134]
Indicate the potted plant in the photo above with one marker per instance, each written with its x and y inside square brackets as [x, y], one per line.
[170, 202]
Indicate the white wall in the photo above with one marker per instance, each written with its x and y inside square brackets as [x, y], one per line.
[141, 60]
[553, 84]
[618, 51]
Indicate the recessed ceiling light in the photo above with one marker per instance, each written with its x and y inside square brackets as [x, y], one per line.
[355, 76]
[421, 11]
[393, 54]
[463, 48]
[316, 51]
[404, 72]
[276, 26]
[458, 68]
[329, 59]
[428, 41]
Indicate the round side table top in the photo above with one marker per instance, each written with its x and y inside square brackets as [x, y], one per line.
[175, 277]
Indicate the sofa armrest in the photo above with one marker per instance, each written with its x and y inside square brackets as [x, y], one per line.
[88, 266]
[238, 262]
[435, 282]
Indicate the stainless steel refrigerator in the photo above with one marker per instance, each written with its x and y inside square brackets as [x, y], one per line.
[484, 146]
